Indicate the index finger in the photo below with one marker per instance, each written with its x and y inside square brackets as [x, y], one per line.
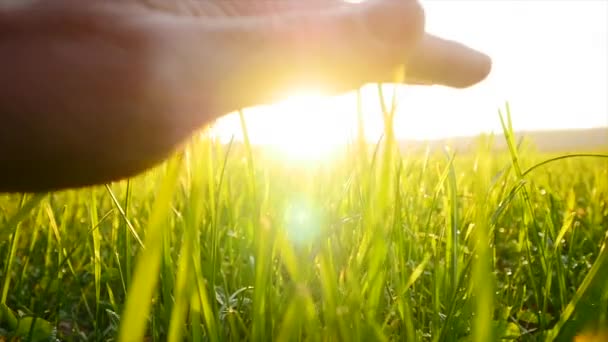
[444, 62]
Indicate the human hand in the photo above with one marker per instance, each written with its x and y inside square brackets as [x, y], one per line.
[265, 48]
[92, 92]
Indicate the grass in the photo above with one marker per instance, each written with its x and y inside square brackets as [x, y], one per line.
[379, 244]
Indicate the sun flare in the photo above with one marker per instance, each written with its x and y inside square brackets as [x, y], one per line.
[305, 132]
[306, 126]
[309, 126]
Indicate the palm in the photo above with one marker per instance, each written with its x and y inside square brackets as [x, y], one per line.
[141, 75]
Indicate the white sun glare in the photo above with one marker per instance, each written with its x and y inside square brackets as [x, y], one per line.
[540, 81]
[306, 126]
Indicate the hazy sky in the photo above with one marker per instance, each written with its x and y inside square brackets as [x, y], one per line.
[550, 62]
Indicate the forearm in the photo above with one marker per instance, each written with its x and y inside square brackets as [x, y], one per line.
[83, 101]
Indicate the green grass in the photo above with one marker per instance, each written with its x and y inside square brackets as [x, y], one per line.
[375, 245]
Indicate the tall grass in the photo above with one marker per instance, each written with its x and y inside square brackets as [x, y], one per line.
[225, 243]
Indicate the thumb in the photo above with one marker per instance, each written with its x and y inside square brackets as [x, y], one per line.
[339, 48]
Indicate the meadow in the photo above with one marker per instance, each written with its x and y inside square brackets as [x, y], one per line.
[376, 244]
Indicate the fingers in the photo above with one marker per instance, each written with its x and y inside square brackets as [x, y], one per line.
[340, 48]
[241, 61]
[444, 62]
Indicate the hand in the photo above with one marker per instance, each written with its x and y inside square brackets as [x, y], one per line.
[287, 43]
[92, 92]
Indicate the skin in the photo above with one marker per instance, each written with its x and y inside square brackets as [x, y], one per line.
[97, 91]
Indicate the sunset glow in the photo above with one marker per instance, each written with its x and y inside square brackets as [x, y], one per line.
[539, 67]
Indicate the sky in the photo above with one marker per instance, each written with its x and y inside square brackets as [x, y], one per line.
[550, 62]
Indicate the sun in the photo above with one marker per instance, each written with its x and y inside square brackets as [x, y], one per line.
[306, 126]
[310, 126]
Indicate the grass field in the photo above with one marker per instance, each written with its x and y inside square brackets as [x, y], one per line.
[375, 245]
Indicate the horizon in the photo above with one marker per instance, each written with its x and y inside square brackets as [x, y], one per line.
[559, 131]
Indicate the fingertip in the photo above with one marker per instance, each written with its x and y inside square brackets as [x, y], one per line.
[486, 67]
[476, 70]
[444, 62]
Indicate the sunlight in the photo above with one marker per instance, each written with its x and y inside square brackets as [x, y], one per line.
[307, 132]
[302, 222]
[306, 126]
[310, 127]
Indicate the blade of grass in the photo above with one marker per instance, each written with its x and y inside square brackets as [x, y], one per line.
[24, 210]
[483, 278]
[123, 214]
[11, 256]
[96, 235]
[531, 236]
[145, 278]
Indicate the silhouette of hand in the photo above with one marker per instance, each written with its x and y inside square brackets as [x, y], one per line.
[96, 91]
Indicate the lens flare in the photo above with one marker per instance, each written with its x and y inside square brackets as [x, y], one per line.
[302, 222]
